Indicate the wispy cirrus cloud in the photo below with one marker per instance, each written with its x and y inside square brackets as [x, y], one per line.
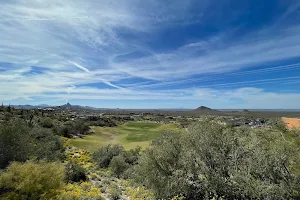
[203, 58]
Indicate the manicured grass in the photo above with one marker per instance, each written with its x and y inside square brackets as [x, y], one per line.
[129, 135]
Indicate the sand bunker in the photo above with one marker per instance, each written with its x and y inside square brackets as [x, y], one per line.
[291, 122]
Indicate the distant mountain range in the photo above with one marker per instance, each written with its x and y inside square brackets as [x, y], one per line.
[30, 106]
[67, 105]
[201, 109]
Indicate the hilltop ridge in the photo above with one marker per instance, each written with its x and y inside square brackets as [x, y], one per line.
[206, 111]
[203, 108]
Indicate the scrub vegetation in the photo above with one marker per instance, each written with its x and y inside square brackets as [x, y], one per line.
[47, 156]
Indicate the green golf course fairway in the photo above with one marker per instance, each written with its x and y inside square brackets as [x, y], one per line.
[129, 135]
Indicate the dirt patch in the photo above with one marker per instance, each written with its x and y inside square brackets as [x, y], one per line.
[291, 123]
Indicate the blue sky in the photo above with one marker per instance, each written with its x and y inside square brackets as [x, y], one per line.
[151, 53]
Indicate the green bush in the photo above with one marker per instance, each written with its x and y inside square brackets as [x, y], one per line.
[214, 161]
[118, 165]
[132, 156]
[47, 123]
[105, 154]
[15, 142]
[74, 172]
[71, 129]
[278, 124]
[18, 142]
[100, 121]
[114, 192]
[129, 172]
[46, 145]
[31, 180]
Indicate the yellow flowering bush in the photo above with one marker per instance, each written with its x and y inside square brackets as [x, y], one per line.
[140, 193]
[85, 185]
[31, 179]
[85, 190]
[93, 176]
[66, 142]
[125, 182]
[82, 157]
[178, 197]
[88, 165]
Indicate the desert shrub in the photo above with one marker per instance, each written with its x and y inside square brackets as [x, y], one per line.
[18, 142]
[118, 165]
[46, 145]
[31, 180]
[278, 124]
[100, 121]
[80, 127]
[214, 161]
[156, 166]
[103, 189]
[71, 129]
[132, 156]
[105, 154]
[106, 181]
[114, 192]
[15, 142]
[8, 109]
[129, 172]
[74, 172]
[47, 123]
[63, 130]
[8, 116]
